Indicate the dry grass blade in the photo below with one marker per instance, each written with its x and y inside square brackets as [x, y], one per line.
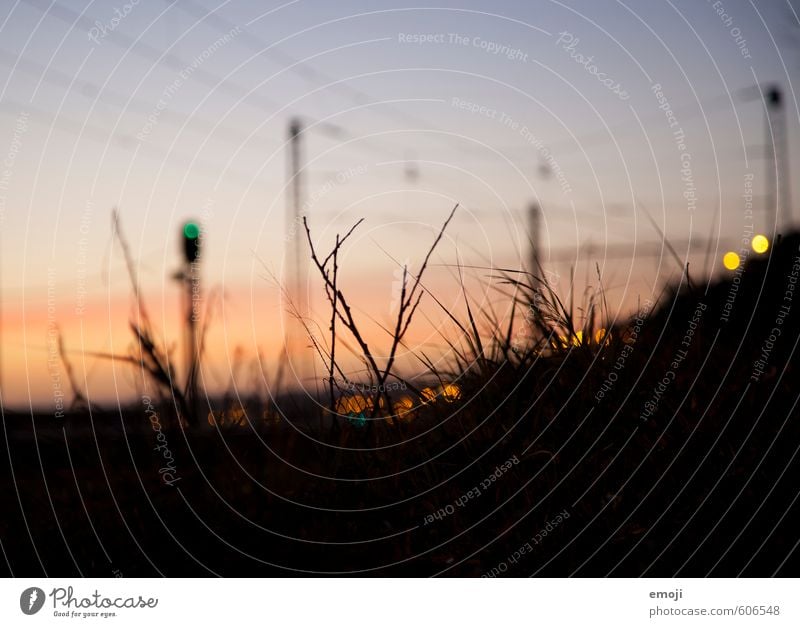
[342, 311]
[151, 360]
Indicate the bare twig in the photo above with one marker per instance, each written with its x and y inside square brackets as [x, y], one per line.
[341, 310]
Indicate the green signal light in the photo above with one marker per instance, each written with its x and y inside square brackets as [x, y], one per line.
[191, 230]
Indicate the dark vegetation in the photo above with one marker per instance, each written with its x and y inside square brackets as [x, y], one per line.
[696, 477]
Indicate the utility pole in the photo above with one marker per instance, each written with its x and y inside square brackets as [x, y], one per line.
[777, 160]
[191, 240]
[411, 170]
[534, 235]
[294, 216]
[296, 255]
[777, 188]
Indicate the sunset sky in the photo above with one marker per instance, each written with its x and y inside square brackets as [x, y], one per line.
[179, 110]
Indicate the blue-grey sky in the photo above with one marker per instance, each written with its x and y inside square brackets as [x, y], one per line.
[168, 110]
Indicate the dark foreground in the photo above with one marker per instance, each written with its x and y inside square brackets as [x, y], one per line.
[670, 451]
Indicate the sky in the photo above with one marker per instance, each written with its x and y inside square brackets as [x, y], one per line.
[169, 111]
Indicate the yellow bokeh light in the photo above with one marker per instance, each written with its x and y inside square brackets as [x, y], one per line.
[451, 392]
[574, 340]
[428, 395]
[731, 260]
[404, 409]
[760, 244]
[601, 335]
[357, 404]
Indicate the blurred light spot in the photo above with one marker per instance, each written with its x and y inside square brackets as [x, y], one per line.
[427, 394]
[451, 392]
[232, 416]
[731, 260]
[357, 404]
[191, 230]
[269, 416]
[359, 420]
[574, 340]
[403, 408]
[760, 244]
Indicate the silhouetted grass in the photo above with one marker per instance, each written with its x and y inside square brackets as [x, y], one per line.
[696, 478]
